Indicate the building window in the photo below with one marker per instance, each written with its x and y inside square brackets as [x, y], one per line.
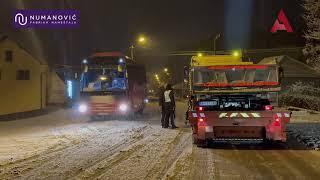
[8, 55]
[23, 75]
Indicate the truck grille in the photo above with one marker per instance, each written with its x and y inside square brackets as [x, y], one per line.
[102, 108]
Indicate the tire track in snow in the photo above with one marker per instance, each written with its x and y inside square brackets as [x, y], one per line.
[41, 165]
[85, 155]
[16, 168]
[177, 147]
[91, 171]
[99, 170]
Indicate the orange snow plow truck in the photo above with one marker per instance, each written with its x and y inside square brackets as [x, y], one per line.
[232, 100]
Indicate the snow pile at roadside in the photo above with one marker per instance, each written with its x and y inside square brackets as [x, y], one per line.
[306, 133]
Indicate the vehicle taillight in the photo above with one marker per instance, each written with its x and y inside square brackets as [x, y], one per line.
[200, 108]
[277, 122]
[201, 122]
[268, 107]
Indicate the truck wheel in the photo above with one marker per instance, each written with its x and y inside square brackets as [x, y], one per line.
[194, 139]
[130, 116]
[269, 143]
[202, 143]
[94, 118]
[199, 142]
[140, 111]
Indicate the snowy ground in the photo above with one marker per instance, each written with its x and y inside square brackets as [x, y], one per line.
[64, 145]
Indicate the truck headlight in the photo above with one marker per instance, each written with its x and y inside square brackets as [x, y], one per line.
[123, 107]
[83, 108]
[146, 100]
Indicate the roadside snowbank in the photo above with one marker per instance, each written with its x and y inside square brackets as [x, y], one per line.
[305, 127]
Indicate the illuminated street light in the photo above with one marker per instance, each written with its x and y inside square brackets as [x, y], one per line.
[166, 70]
[235, 53]
[85, 61]
[200, 55]
[142, 39]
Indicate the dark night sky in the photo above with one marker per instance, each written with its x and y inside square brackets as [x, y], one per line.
[171, 25]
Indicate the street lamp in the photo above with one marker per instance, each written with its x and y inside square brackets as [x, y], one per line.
[199, 55]
[131, 51]
[166, 70]
[141, 41]
[214, 43]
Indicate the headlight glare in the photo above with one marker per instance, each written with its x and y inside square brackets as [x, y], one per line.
[123, 107]
[83, 108]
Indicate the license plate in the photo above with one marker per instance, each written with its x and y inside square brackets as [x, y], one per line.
[239, 132]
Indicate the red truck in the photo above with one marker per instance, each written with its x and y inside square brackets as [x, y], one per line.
[112, 85]
[231, 100]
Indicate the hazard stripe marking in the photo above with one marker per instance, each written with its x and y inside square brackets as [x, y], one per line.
[279, 115]
[194, 115]
[222, 115]
[234, 115]
[245, 115]
[255, 114]
[286, 115]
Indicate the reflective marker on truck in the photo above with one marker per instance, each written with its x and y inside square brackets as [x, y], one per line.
[235, 114]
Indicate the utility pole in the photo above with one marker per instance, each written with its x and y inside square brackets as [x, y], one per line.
[132, 52]
[214, 43]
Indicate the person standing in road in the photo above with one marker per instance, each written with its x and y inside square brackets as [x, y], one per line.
[169, 107]
[161, 105]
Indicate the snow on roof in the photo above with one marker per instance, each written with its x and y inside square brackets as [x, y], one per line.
[6, 37]
[291, 66]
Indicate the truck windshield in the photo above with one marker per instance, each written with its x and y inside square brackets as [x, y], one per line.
[235, 76]
[103, 78]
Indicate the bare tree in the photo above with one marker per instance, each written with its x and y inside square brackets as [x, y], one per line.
[312, 32]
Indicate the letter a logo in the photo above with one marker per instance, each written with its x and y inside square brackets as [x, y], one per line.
[281, 23]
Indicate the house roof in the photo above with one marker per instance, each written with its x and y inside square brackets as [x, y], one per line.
[6, 37]
[292, 67]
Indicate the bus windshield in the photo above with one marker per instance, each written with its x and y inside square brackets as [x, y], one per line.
[103, 78]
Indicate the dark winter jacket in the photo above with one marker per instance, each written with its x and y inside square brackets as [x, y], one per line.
[161, 97]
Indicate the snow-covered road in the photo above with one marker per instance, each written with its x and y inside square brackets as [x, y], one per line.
[64, 145]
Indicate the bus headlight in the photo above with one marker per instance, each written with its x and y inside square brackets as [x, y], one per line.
[83, 108]
[123, 107]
